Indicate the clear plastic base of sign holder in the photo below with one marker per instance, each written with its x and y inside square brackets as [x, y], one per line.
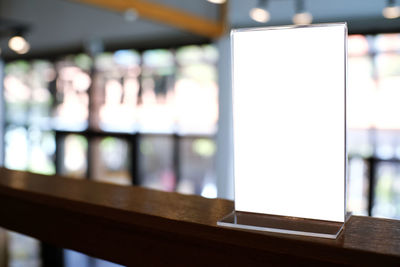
[283, 224]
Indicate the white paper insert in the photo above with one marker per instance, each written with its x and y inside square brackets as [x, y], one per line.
[289, 121]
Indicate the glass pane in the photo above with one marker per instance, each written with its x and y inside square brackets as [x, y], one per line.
[42, 79]
[357, 45]
[16, 148]
[387, 42]
[197, 169]
[110, 160]
[360, 67]
[23, 250]
[27, 92]
[156, 99]
[73, 161]
[31, 149]
[387, 144]
[386, 105]
[387, 108]
[359, 143]
[388, 64]
[357, 199]
[73, 82]
[361, 93]
[116, 91]
[156, 162]
[17, 93]
[76, 259]
[387, 191]
[42, 149]
[196, 89]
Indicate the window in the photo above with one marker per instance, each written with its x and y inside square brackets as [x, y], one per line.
[374, 124]
[29, 139]
[78, 114]
[123, 117]
[71, 99]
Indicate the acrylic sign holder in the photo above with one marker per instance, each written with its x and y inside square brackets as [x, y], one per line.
[289, 129]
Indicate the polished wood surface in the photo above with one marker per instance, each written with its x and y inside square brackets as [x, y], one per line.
[165, 14]
[142, 227]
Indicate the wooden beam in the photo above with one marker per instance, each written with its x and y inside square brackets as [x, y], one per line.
[164, 14]
[223, 17]
[135, 226]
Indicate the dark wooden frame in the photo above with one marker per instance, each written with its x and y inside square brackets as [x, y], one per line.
[140, 227]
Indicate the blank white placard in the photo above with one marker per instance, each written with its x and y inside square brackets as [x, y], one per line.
[289, 120]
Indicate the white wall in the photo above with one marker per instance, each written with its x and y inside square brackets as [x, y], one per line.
[224, 159]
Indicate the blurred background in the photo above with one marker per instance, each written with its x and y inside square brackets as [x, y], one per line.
[138, 93]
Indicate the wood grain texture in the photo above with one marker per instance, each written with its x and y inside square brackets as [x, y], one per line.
[166, 15]
[142, 227]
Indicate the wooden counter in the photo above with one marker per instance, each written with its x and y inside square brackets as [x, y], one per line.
[142, 227]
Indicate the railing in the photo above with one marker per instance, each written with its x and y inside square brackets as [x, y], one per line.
[142, 227]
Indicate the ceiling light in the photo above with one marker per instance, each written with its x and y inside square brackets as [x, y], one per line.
[260, 13]
[18, 44]
[391, 11]
[24, 50]
[217, 1]
[302, 17]
[130, 15]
